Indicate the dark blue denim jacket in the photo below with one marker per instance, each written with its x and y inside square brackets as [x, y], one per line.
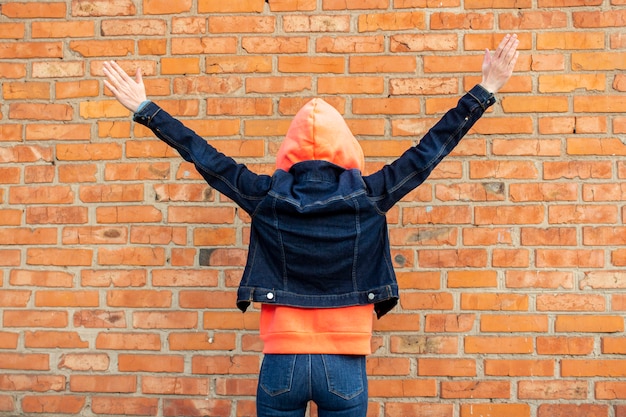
[318, 235]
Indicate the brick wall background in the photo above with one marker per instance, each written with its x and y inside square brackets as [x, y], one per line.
[119, 265]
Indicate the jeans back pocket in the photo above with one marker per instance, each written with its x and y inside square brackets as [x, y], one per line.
[277, 374]
[345, 375]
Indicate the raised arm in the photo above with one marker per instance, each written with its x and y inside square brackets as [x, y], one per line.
[394, 181]
[129, 92]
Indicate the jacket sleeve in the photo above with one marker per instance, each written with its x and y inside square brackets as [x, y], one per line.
[387, 186]
[221, 172]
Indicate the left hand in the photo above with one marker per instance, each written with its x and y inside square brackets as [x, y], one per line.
[130, 93]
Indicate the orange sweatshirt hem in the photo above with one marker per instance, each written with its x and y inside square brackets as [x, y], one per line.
[345, 330]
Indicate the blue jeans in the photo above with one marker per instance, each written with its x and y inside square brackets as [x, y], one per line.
[336, 383]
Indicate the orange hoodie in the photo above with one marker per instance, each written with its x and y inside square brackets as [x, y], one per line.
[318, 132]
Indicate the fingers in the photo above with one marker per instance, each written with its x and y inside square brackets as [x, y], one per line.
[507, 50]
[117, 77]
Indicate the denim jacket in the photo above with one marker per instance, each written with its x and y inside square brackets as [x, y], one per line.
[318, 235]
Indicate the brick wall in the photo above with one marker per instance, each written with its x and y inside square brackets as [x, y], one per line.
[119, 265]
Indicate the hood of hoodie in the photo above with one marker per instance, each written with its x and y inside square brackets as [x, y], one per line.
[319, 132]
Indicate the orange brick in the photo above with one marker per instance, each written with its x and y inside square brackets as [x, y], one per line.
[103, 8]
[518, 367]
[446, 367]
[165, 320]
[514, 323]
[204, 407]
[495, 410]
[610, 390]
[59, 257]
[241, 24]
[52, 339]
[132, 256]
[473, 389]
[219, 65]
[244, 6]
[573, 410]
[401, 409]
[53, 404]
[103, 383]
[34, 10]
[287, 5]
[117, 405]
[104, 48]
[589, 324]
[175, 386]
[498, 345]
[401, 388]
[424, 344]
[166, 7]
[311, 65]
[233, 365]
[391, 21]
[56, 29]
[349, 44]
[202, 341]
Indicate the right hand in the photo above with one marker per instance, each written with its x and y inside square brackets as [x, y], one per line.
[497, 69]
[130, 93]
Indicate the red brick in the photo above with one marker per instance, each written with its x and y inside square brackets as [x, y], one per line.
[503, 169]
[58, 298]
[115, 278]
[84, 362]
[60, 29]
[287, 5]
[424, 344]
[52, 339]
[33, 10]
[231, 365]
[569, 258]
[59, 257]
[49, 404]
[476, 389]
[201, 341]
[519, 367]
[8, 340]
[165, 320]
[447, 367]
[103, 383]
[150, 363]
[102, 8]
[572, 410]
[402, 409]
[132, 256]
[102, 48]
[610, 390]
[33, 383]
[560, 345]
[460, 323]
[139, 298]
[24, 362]
[129, 406]
[349, 44]
[196, 407]
[495, 410]
[589, 324]
[570, 302]
[99, 319]
[401, 388]
[514, 323]
[498, 345]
